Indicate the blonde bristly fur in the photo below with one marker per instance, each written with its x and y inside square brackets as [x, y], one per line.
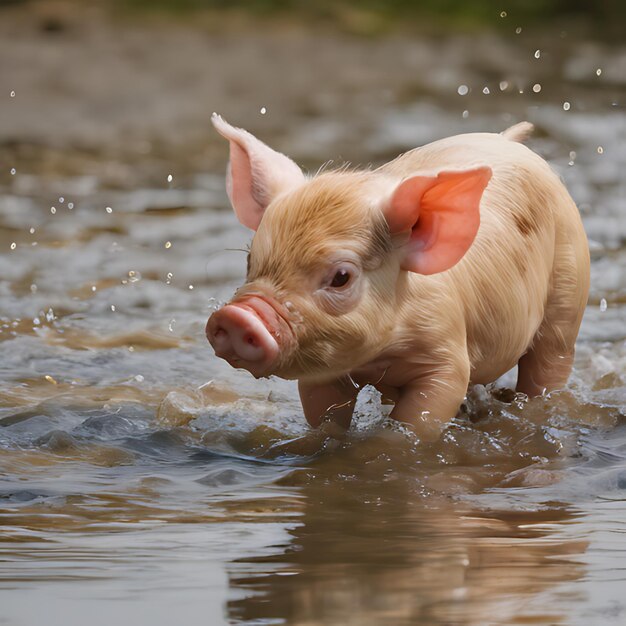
[516, 297]
[334, 211]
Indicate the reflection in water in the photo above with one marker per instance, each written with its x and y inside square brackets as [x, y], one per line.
[385, 555]
[381, 538]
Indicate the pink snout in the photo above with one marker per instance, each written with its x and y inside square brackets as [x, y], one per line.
[240, 336]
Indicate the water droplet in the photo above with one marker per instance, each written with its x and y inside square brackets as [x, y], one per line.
[93, 288]
[70, 205]
[504, 85]
[12, 94]
[169, 277]
[108, 209]
[139, 378]
[566, 106]
[131, 348]
[13, 171]
[190, 286]
[599, 71]
[134, 276]
[36, 321]
[61, 200]
[486, 91]
[168, 245]
[537, 54]
[503, 14]
[170, 326]
[50, 315]
[600, 150]
[50, 379]
[603, 305]
[465, 114]
[33, 288]
[113, 308]
[53, 210]
[263, 110]
[518, 30]
[463, 90]
[13, 246]
[31, 230]
[170, 178]
[536, 87]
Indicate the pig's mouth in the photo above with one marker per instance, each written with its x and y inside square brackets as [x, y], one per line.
[252, 333]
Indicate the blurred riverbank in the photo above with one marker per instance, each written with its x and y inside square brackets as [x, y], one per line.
[129, 94]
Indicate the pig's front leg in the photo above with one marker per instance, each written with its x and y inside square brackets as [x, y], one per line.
[333, 400]
[428, 403]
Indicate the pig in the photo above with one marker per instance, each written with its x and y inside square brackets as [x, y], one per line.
[445, 267]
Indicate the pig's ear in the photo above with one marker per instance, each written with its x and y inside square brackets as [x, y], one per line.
[442, 213]
[256, 173]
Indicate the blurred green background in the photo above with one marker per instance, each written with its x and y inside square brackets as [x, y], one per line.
[383, 14]
[605, 17]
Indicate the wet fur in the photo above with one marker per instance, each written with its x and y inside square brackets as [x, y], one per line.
[517, 295]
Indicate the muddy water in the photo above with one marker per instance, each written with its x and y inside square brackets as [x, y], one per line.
[144, 481]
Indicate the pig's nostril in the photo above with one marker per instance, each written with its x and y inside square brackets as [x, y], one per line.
[220, 339]
[251, 340]
[220, 334]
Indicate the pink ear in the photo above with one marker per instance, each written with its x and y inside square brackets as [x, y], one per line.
[443, 214]
[256, 173]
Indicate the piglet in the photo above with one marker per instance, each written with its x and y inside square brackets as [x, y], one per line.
[446, 267]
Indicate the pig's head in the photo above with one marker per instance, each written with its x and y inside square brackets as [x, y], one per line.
[330, 256]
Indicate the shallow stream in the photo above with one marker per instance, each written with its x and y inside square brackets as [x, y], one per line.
[144, 481]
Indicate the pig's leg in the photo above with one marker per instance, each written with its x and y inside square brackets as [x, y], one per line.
[429, 402]
[333, 401]
[546, 366]
[548, 363]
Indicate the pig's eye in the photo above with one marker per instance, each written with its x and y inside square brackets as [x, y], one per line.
[340, 279]
[341, 287]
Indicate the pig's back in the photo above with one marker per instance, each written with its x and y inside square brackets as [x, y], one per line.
[503, 282]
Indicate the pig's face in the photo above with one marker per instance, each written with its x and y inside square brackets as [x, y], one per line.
[325, 262]
[322, 255]
[320, 267]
